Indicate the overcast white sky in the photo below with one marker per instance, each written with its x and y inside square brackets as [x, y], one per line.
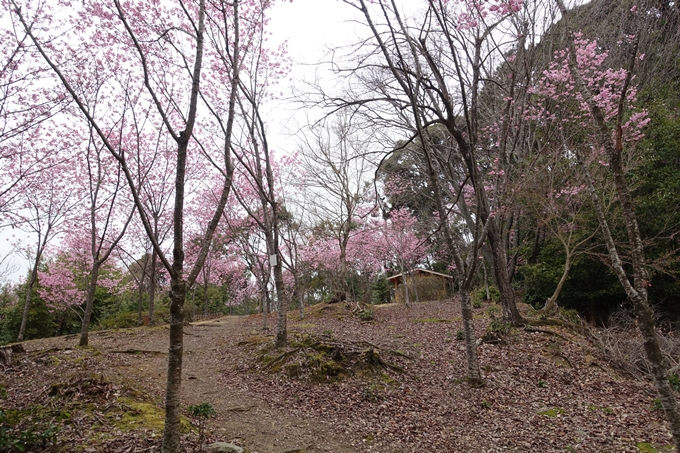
[311, 28]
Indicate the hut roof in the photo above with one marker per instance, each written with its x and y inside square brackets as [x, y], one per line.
[423, 271]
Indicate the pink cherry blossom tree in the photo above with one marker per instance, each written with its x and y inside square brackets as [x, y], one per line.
[29, 102]
[605, 98]
[148, 61]
[42, 213]
[401, 244]
[106, 213]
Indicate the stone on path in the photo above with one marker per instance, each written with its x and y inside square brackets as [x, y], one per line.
[224, 447]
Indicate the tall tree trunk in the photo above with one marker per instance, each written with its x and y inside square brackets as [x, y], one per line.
[31, 282]
[206, 299]
[27, 301]
[550, 307]
[611, 139]
[174, 381]
[265, 307]
[140, 291]
[89, 304]
[282, 305]
[474, 377]
[152, 287]
[637, 294]
[510, 311]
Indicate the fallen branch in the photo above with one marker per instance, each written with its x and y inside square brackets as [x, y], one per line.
[138, 351]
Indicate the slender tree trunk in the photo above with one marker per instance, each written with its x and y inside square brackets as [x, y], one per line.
[407, 295]
[638, 296]
[474, 377]
[302, 307]
[550, 307]
[152, 287]
[206, 299]
[89, 304]
[27, 301]
[282, 305]
[510, 311]
[637, 290]
[140, 291]
[42, 241]
[486, 279]
[174, 382]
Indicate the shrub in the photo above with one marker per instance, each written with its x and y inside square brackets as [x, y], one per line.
[121, 320]
[478, 296]
[367, 314]
[201, 412]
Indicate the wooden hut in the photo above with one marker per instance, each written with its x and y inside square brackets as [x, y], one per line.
[423, 284]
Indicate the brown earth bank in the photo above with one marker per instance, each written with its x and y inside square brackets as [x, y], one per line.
[394, 383]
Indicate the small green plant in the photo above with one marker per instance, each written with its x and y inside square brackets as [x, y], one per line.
[367, 314]
[485, 404]
[492, 311]
[656, 405]
[541, 384]
[645, 447]
[460, 335]
[499, 326]
[605, 410]
[372, 394]
[479, 296]
[570, 315]
[201, 412]
[15, 437]
[674, 380]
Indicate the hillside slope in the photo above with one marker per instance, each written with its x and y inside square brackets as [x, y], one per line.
[395, 383]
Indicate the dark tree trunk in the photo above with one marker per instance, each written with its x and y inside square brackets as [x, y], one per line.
[174, 381]
[140, 292]
[89, 304]
[27, 301]
[152, 287]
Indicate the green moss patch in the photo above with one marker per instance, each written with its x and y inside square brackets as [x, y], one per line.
[646, 447]
[552, 412]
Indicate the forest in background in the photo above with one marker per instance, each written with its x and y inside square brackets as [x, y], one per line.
[529, 151]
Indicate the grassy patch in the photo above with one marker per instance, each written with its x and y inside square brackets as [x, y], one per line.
[605, 410]
[552, 412]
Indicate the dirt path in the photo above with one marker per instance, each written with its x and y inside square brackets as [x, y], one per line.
[140, 356]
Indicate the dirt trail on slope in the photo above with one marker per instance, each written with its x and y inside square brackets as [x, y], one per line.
[140, 356]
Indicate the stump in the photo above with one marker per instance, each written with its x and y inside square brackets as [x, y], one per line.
[7, 352]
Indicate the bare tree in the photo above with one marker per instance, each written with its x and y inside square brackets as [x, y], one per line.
[337, 173]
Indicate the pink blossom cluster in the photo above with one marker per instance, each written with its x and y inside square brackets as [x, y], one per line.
[605, 85]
